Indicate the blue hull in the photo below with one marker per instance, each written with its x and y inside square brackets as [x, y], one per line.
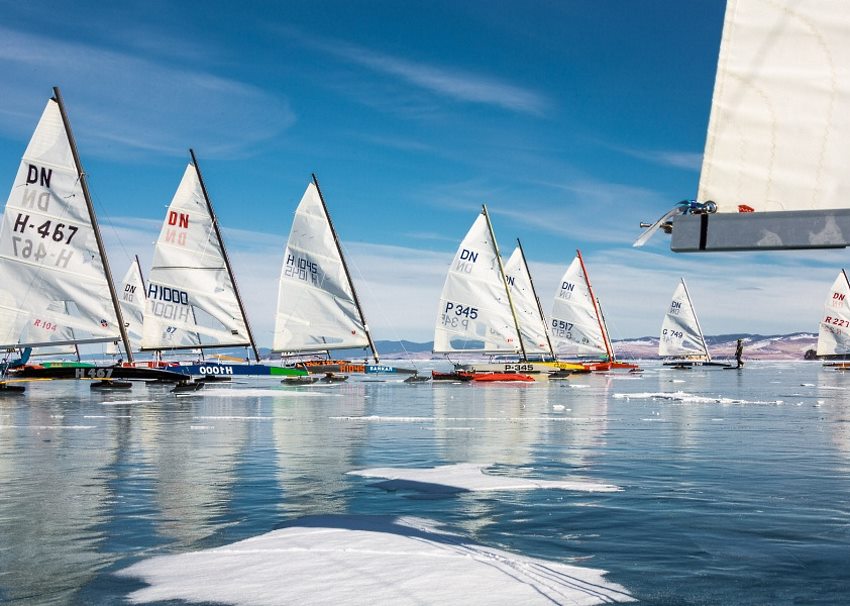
[217, 369]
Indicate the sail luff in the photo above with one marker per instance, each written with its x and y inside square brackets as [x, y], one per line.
[606, 339]
[225, 256]
[504, 281]
[537, 299]
[347, 273]
[57, 95]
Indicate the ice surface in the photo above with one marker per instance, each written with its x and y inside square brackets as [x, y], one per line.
[344, 560]
[242, 392]
[468, 477]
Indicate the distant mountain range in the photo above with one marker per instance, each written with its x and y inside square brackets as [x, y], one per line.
[756, 347]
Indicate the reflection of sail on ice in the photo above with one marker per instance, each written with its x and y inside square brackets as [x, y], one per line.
[834, 329]
[56, 285]
[475, 313]
[191, 290]
[681, 334]
[778, 136]
[318, 309]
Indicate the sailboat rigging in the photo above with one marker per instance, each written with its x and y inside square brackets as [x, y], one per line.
[318, 310]
[531, 321]
[682, 341]
[58, 288]
[192, 299]
[477, 312]
[834, 327]
[578, 326]
[773, 177]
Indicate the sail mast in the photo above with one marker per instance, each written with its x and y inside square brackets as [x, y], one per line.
[224, 254]
[347, 274]
[696, 319]
[141, 275]
[504, 281]
[537, 299]
[57, 96]
[602, 328]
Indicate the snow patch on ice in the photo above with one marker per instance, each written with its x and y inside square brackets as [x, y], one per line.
[367, 560]
[468, 477]
[681, 396]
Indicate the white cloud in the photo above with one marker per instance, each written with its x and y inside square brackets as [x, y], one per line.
[114, 97]
[447, 82]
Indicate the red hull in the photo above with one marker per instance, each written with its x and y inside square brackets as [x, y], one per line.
[501, 376]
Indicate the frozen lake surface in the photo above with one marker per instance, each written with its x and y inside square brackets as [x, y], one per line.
[669, 487]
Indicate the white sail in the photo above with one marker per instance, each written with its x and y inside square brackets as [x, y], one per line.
[64, 335]
[475, 313]
[532, 326]
[834, 330]
[189, 289]
[52, 278]
[575, 326]
[681, 335]
[316, 307]
[779, 132]
[131, 297]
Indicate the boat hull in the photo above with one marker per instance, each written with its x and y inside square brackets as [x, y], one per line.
[88, 371]
[218, 369]
[528, 368]
[502, 377]
[347, 366]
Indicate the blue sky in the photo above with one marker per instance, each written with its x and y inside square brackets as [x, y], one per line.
[573, 121]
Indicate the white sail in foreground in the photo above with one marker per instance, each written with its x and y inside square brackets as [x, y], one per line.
[681, 335]
[54, 283]
[66, 335]
[576, 327]
[779, 133]
[317, 308]
[834, 330]
[532, 325]
[190, 289]
[475, 313]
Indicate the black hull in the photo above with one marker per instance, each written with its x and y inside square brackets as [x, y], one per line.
[98, 373]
